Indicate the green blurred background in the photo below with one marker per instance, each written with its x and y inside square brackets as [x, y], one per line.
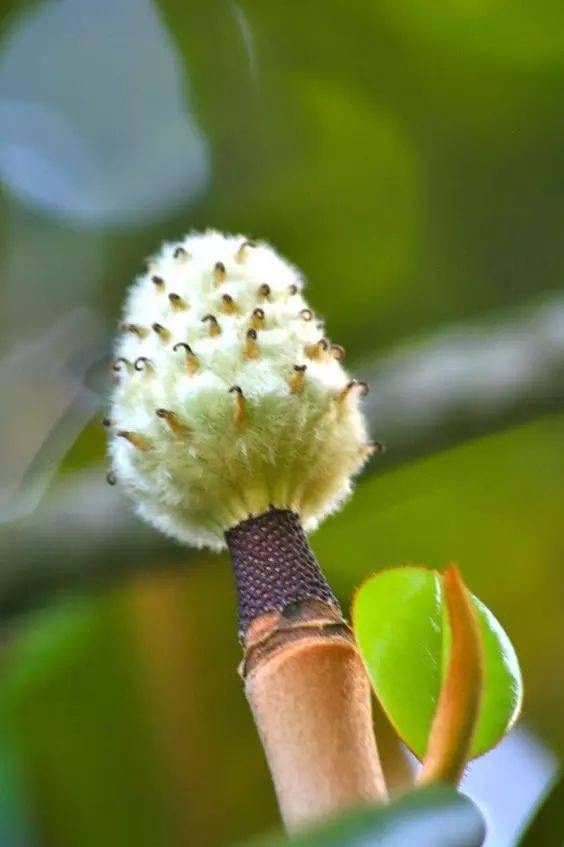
[408, 157]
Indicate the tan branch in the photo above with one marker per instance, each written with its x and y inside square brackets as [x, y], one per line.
[311, 701]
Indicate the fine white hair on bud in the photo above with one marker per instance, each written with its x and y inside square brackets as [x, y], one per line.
[229, 398]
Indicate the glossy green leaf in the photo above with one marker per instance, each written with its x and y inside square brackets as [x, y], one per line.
[403, 635]
[432, 817]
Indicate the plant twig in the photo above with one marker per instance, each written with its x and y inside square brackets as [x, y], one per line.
[304, 679]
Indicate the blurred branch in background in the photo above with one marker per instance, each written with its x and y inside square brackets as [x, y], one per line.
[452, 386]
[48, 406]
[468, 380]
[83, 528]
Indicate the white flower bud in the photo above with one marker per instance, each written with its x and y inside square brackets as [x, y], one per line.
[228, 398]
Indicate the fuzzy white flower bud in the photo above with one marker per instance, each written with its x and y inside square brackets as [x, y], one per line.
[228, 397]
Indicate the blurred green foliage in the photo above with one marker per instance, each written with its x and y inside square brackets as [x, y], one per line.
[547, 825]
[409, 160]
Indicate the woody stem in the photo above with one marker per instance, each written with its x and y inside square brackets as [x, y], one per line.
[304, 680]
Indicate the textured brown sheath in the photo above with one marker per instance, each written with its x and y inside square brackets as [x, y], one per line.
[303, 676]
[274, 566]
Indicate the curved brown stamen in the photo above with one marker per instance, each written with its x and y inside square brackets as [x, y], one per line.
[372, 447]
[354, 387]
[214, 328]
[240, 405]
[144, 364]
[296, 381]
[251, 346]
[228, 304]
[179, 429]
[316, 351]
[192, 363]
[161, 331]
[177, 302]
[140, 331]
[242, 253]
[134, 438]
[257, 319]
[117, 363]
[219, 273]
[338, 352]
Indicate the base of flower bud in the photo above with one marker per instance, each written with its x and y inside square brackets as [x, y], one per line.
[274, 567]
